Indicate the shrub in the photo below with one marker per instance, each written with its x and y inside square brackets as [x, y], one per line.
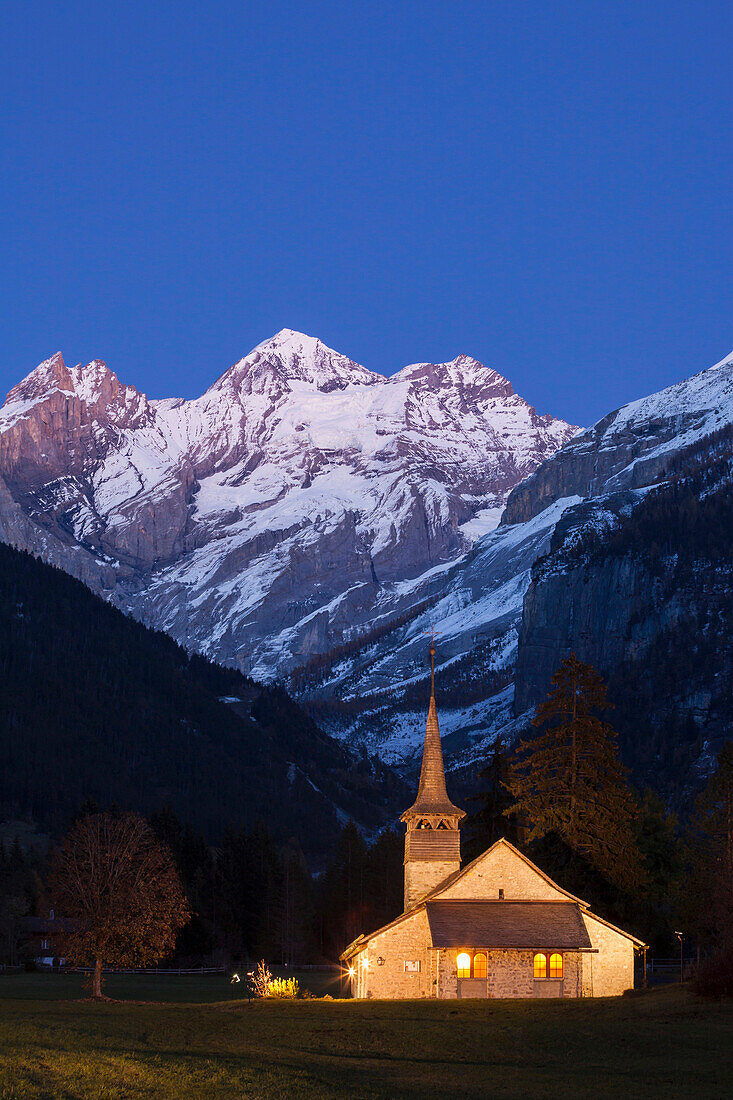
[715, 976]
[263, 984]
[283, 987]
[260, 979]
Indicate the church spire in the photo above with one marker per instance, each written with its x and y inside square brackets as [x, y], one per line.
[432, 840]
[432, 796]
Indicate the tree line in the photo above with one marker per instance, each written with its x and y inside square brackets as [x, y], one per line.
[561, 795]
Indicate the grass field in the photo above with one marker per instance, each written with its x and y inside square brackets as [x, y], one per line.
[192, 1037]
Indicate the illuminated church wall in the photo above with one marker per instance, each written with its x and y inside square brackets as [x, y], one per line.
[500, 869]
[401, 946]
[611, 971]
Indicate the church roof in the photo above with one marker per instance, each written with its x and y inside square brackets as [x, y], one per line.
[434, 896]
[432, 797]
[533, 924]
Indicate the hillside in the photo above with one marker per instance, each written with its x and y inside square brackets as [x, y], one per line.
[93, 704]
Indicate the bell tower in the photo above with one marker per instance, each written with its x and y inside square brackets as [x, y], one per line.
[433, 840]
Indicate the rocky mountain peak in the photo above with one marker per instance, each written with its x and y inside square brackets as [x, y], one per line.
[52, 374]
[463, 373]
[94, 384]
[291, 356]
[631, 445]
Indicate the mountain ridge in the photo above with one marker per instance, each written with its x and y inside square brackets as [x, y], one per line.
[272, 516]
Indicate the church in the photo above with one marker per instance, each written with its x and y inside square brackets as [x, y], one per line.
[498, 927]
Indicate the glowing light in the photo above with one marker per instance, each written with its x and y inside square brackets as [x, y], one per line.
[540, 965]
[463, 962]
[556, 965]
[351, 972]
[365, 964]
[234, 979]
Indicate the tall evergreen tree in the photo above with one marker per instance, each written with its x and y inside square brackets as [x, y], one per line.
[569, 780]
[385, 878]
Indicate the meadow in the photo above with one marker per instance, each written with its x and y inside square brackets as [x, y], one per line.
[196, 1037]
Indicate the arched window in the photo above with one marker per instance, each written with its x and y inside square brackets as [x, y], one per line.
[463, 962]
[540, 965]
[479, 965]
[556, 965]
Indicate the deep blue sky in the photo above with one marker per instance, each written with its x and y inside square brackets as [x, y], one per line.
[542, 185]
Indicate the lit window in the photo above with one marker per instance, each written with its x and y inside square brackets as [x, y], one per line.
[540, 965]
[556, 966]
[463, 962]
[479, 965]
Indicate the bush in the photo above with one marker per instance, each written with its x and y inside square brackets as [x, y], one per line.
[263, 984]
[283, 987]
[260, 980]
[715, 977]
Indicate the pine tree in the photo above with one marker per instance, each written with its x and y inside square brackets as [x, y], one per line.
[569, 779]
[384, 879]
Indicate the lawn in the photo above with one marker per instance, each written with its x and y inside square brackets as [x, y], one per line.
[664, 1043]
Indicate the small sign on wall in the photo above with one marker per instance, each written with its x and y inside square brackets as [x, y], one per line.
[412, 966]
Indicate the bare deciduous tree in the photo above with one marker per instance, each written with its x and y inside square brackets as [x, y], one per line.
[118, 891]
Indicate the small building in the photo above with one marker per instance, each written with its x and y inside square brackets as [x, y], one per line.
[41, 934]
[498, 927]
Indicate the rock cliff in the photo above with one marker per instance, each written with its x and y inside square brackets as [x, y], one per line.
[637, 577]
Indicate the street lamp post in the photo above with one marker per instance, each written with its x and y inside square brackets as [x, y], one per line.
[680, 937]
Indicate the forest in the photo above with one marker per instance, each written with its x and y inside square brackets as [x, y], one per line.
[95, 705]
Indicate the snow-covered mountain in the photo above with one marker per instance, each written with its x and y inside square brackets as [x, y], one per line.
[523, 597]
[299, 502]
[308, 519]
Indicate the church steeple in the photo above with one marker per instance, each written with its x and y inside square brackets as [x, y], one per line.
[432, 797]
[432, 842]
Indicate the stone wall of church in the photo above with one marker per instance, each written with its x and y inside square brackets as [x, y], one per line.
[611, 971]
[422, 876]
[510, 973]
[401, 948]
[502, 869]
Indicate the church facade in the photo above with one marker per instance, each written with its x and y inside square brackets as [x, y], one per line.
[498, 927]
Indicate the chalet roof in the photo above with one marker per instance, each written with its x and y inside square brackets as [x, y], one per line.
[533, 924]
[432, 797]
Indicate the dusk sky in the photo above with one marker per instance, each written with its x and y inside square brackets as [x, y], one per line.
[545, 186]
